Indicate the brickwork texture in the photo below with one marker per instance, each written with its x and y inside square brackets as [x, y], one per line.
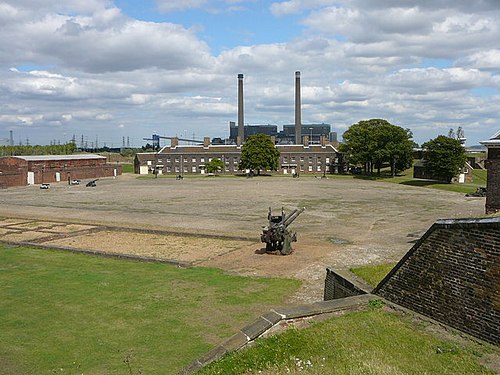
[452, 275]
[337, 286]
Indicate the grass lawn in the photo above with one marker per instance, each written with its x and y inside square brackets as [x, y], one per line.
[366, 342]
[71, 313]
[373, 274]
[406, 178]
[127, 168]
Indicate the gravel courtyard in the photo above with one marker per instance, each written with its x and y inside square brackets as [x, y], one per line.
[346, 222]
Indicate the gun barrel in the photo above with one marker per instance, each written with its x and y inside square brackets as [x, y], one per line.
[289, 220]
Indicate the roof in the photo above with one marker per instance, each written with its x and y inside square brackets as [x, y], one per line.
[58, 157]
[192, 149]
[493, 142]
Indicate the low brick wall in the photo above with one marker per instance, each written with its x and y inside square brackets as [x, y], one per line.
[452, 275]
[338, 286]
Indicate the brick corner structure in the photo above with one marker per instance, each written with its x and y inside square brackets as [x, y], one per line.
[39, 169]
[492, 165]
[452, 275]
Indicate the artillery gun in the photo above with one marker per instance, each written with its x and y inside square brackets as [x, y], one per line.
[276, 234]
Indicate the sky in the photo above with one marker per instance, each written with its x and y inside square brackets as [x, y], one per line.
[104, 71]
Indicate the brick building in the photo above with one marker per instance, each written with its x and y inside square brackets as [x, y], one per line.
[492, 165]
[38, 169]
[177, 159]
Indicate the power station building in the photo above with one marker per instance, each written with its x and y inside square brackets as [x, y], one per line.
[303, 156]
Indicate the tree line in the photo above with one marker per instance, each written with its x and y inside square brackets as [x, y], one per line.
[64, 149]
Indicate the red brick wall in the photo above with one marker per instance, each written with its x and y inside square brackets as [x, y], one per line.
[14, 170]
[452, 275]
[492, 164]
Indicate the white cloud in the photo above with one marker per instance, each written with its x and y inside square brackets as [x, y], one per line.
[85, 67]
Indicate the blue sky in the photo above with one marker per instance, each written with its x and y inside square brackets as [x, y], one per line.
[114, 69]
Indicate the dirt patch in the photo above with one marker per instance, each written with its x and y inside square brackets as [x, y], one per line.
[181, 248]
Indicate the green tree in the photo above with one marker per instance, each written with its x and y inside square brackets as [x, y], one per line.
[444, 157]
[215, 165]
[259, 153]
[376, 143]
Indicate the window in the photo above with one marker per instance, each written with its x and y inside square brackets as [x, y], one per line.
[285, 159]
[159, 160]
[168, 160]
[176, 169]
[193, 169]
[302, 167]
[318, 168]
[202, 159]
[293, 158]
[185, 169]
[193, 160]
[176, 160]
[301, 158]
[150, 162]
[310, 168]
[185, 160]
[310, 159]
[169, 169]
[327, 160]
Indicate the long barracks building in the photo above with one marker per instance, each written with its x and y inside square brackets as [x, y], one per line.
[191, 159]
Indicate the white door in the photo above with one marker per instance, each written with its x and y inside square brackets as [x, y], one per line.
[58, 176]
[31, 178]
[461, 178]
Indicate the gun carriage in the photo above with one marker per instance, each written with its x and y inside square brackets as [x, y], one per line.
[276, 235]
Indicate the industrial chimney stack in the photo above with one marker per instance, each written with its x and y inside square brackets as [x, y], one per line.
[241, 124]
[298, 120]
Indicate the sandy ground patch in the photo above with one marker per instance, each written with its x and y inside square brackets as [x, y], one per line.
[181, 248]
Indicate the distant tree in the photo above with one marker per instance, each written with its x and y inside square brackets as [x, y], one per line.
[444, 157]
[376, 143]
[259, 153]
[215, 165]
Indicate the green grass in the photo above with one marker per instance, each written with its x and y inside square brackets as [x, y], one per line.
[406, 178]
[373, 274]
[367, 342]
[127, 168]
[71, 313]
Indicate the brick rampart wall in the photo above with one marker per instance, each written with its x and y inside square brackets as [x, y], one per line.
[493, 184]
[77, 173]
[337, 286]
[452, 275]
[15, 178]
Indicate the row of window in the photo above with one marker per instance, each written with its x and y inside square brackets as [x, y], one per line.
[194, 169]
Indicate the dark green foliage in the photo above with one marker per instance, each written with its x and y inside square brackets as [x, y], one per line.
[65, 149]
[259, 153]
[376, 143]
[444, 157]
[215, 165]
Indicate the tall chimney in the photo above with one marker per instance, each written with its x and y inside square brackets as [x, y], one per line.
[241, 129]
[298, 120]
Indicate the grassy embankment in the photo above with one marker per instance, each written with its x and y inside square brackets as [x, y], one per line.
[70, 313]
[367, 342]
